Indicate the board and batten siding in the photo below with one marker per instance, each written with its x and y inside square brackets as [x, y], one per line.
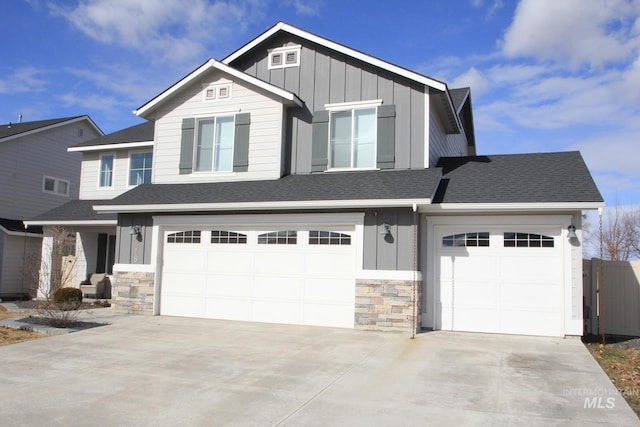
[441, 144]
[265, 131]
[26, 160]
[326, 77]
[394, 251]
[134, 249]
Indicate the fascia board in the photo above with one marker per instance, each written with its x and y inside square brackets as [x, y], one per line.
[339, 48]
[213, 64]
[19, 233]
[502, 207]
[53, 126]
[114, 146]
[306, 204]
[71, 222]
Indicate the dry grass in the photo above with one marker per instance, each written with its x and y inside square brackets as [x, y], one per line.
[12, 336]
[623, 368]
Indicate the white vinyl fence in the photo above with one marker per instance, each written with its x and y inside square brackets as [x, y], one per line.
[611, 300]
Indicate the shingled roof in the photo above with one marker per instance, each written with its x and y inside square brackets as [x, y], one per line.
[517, 178]
[75, 210]
[15, 129]
[138, 133]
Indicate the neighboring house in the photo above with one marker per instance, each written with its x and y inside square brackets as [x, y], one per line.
[301, 181]
[36, 174]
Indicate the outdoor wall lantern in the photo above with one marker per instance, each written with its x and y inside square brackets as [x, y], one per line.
[135, 230]
[385, 228]
[572, 232]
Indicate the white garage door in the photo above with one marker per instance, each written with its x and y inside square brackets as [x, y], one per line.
[501, 280]
[276, 275]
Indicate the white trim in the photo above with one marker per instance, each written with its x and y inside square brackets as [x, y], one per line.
[306, 204]
[130, 154]
[20, 233]
[213, 113]
[78, 222]
[510, 207]
[343, 106]
[56, 181]
[113, 171]
[213, 64]
[427, 119]
[53, 126]
[137, 268]
[116, 146]
[339, 48]
[222, 83]
[260, 219]
[283, 51]
[389, 275]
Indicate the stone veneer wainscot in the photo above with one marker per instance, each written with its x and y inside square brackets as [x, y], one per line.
[133, 292]
[387, 304]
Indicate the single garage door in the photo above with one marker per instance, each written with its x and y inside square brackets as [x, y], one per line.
[276, 275]
[507, 280]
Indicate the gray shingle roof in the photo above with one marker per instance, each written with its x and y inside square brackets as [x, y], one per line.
[75, 210]
[12, 129]
[18, 226]
[517, 178]
[370, 185]
[142, 132]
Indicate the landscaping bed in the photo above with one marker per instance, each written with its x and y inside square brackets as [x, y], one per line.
[12, 336]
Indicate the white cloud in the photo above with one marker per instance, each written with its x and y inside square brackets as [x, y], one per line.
[171, 30]
[305, 7]
[471, 78]
[573, 32]
[25, 79]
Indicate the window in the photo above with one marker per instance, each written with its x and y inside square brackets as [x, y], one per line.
[140, 168]
[514, 239]
[216, 91]
[353, 138]
[55, 186]
[214, 144]
[328, 238]
[184, 237]
[466, 239]
[106, 170]
[287, 237]
[228, 237]
[282, 57]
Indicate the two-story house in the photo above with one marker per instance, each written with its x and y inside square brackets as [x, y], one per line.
[36, 174]
[301, 181]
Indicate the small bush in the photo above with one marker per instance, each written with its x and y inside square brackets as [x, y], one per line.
[64, 295]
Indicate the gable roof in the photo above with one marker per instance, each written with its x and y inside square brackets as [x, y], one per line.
[212, 64]
[458, 96]
[11, 226]
[125, 138]
[282, 26]
[310, 191]
[517, 179]
[10, 131]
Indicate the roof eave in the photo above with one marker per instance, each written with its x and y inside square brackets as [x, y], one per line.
[514, 207]
[114, 146]
[53, 126]
[72, 222]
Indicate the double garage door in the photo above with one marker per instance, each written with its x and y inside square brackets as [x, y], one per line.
[500, 280]
[280, 274]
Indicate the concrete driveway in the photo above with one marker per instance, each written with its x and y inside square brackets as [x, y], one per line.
[164, 371]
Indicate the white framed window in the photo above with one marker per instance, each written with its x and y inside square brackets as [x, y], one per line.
[284, 237]
[353, 135]
[140, 168]
[317, 237]
[107, 163]
[191, 236]
[214, 144]
[473, 239]
[55, 186]
[514, 239]
[216, 92]
[282, 57]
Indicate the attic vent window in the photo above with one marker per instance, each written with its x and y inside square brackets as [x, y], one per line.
[217, 91]
[283, 57]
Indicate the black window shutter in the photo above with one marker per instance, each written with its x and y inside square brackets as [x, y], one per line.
[320, 141]
[186, 146]
[386, 151]
[101, 257]
[241, 143]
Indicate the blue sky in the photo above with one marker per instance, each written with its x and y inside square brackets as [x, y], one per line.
[545, 75]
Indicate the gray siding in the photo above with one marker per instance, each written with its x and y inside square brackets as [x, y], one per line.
[394, 251]
[324, 77]
[441, 144]
[134, 249]
[14, 252]
[25, 161]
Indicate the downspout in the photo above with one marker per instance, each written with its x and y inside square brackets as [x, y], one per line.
[415, 272]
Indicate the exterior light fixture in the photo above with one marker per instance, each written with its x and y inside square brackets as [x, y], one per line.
[135, 230]
[572, 232]
[385, 228]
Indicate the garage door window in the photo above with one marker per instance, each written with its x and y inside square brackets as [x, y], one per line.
[228, 237]
[184, 237]
[514, 239]
[328, 238]
[480, 238]
[285, 237]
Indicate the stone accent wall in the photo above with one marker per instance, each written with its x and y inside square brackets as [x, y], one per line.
[387, 305]
[132, 292]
